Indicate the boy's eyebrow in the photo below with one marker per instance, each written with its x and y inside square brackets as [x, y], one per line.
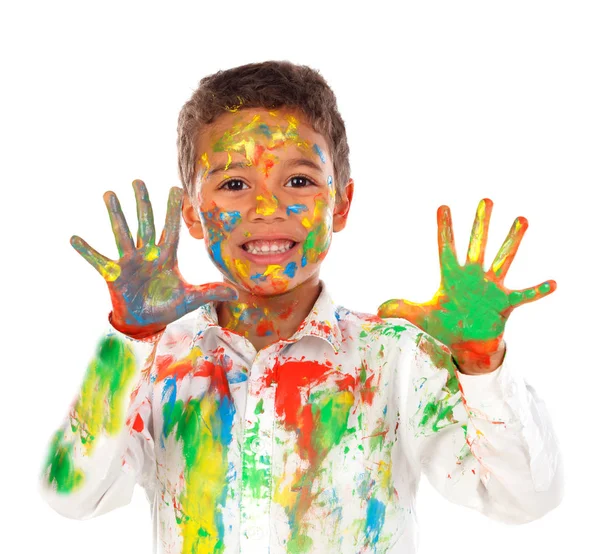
[294, 162]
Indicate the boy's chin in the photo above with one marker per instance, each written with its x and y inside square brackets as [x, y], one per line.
[266, 287]
[271, 288]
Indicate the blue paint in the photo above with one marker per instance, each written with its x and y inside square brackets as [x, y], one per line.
[258, 277]
[221, 423]
[303, 262]
[319, 152]
[218, 258]
[169, 395]
[222, 419]
[263, 128]
[230, 219]
[290, 269]
[296, 208]
[375, 519]
[234, 377]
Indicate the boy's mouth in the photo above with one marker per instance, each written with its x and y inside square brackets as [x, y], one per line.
[271, 251]
[265, 247]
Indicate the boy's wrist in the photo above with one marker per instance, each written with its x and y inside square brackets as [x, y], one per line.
[133, 333]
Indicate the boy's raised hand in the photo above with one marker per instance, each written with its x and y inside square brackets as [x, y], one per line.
[469, 311]
[146, 288]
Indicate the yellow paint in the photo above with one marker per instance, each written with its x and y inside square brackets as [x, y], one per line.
[477, 234]
[110, 271]
[205, 479]
[242, 268]
[100, 406]
[266, 205]
[205, 163]
[506, 248]
[152, 253]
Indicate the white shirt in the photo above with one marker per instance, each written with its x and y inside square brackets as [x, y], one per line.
[313, 444]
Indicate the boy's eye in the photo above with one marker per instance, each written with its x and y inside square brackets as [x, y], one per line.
[300, 181]
[233, 185]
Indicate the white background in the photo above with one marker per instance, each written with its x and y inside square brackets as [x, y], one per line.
[445, 103]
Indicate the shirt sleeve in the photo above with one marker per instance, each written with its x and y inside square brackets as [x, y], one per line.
[104, 445]
[483, 441]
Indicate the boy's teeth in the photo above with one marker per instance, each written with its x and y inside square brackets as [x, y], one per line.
[268, 246]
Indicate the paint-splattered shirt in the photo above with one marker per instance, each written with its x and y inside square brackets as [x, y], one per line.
[313, 444]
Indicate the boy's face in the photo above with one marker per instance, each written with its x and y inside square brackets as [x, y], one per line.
[264, 183]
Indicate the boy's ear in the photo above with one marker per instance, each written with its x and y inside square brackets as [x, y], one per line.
[342, 207]
[191, 218]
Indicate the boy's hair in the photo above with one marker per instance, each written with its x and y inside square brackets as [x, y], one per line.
[270, 85]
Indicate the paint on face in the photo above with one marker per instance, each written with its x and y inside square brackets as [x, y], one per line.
[319, 152]
[256, 140]
[296, 208]
[99, 410]
[318, 239]
[266, 203]
[259, 143]
[330, 186]
[218, 225]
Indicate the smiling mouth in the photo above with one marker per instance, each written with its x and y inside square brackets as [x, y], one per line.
[268, 247]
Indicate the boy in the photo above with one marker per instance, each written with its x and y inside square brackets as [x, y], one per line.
[273, 420]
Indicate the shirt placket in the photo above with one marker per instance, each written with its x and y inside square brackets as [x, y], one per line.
[257, 448]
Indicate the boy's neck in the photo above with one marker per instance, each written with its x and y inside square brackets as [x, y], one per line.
[264, 320]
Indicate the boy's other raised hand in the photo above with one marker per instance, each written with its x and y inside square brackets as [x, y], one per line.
[469, 311]
[146, 288]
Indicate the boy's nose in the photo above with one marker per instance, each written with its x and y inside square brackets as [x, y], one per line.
[267, 206]
[266, 203]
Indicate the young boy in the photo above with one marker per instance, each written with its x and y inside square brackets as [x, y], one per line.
[260, 416]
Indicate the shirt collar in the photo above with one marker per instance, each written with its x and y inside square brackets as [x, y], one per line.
[321, 322]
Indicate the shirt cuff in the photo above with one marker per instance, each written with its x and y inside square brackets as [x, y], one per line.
[500, 395]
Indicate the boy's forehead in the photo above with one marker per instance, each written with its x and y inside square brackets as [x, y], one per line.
[272, 128]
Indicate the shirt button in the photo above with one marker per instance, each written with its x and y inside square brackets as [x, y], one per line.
[254, 533]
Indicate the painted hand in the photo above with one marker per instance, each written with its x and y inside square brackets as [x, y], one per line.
[469, 311]
[146, 288]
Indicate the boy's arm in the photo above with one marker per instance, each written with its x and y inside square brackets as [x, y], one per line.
[104, 445]
[484, 441]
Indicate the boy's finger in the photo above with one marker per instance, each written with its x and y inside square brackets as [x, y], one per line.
[146, 233]
[531, 294]
[446, 247]
[198, 295]
[109, 270]
[170, 234]
[479, 232]
[509, 248]
[120, 229]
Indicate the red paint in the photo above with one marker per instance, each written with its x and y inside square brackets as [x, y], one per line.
[138, 424]
[368, 391]
[265, 327]
[167, 366]
[217, 372]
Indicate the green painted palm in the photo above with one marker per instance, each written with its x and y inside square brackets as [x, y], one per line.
[469, 311]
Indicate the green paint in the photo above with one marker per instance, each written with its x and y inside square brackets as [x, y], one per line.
[99, 410]
[259, 407]
[333, 415]
[299, 544]
[254, 478]
[61, 464]
[388, 330]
